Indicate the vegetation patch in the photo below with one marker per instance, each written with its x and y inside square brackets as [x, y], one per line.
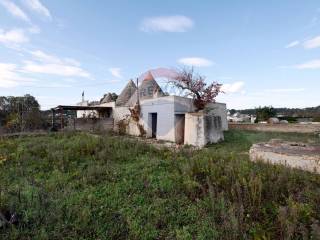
[77, 186]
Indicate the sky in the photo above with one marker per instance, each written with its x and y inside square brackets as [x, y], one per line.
[264, 52]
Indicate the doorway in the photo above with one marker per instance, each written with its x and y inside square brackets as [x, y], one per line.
[153, 125]
[179, 128]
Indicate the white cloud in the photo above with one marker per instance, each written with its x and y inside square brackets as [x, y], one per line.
[235, 87]
[14, 36]
[47, 58]
[195, 61]
[292, 44]
[15, 10]
[176, 23]
[314, 64]
[285, 90]
[50, 64]
[44, 57]
[55, 69]
[38, 7]
[116, 72]
[312, 43]
[10, 77]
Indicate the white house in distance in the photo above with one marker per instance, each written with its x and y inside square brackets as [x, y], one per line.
[169, 118]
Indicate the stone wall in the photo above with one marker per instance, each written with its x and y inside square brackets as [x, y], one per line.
[122, 115]
[298, 128]
[90, 124]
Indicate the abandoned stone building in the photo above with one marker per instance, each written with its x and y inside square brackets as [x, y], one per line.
[160, 116]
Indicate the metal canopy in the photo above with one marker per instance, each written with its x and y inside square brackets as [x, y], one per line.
[70, 107]
[61, 108]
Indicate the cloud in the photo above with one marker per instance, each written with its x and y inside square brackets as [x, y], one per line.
[235, 87]
[14, 36]
[292, 44]
[44, 57]
[313, 64]
[55, 69]
[116, 72]
[14, 10]
[285, 90]
[50, 64]
[10, 77]
[38, 7]
[195, 61]
[175, 23]
[312, 43]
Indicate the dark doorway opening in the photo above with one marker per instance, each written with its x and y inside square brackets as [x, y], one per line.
[154, 125]
[179, 128]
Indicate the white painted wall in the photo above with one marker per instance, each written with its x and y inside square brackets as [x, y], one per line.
[183, 104]
[194, 130]
[201, 130]
[164, 107]
[219, 109]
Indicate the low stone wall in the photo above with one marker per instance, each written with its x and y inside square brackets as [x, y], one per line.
[291, 154]
[90, 124]
[298, 128]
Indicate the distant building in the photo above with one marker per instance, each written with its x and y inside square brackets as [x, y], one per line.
[87, 113]
[238, 117]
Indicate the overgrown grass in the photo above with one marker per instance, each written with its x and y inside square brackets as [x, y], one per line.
[79, 186]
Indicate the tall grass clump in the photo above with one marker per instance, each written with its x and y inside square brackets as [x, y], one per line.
[82, 186]
[249, 199]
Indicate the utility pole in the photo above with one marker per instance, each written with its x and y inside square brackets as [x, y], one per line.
[138, 91]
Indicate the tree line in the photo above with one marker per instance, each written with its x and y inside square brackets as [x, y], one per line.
[21, 113]
[310, 112]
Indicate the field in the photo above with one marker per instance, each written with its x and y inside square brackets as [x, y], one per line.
[81, 186]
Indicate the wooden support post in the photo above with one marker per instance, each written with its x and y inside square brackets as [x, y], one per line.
[138, 100]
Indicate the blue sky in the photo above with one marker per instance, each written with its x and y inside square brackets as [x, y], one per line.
[264, 52]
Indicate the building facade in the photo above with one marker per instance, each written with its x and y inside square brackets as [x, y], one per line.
[163, 117]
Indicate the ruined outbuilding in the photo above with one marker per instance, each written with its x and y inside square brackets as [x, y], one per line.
[164, 117]
[146, 111]
[292, 154]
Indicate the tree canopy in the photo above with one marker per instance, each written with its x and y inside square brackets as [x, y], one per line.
[264, 113]
[196, 87]
[19, 113]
